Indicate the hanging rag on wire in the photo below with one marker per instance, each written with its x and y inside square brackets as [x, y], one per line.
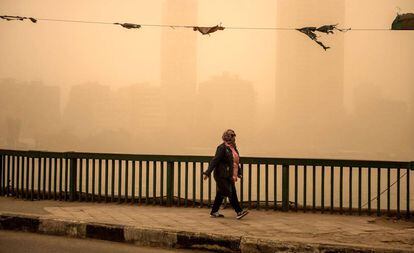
[207, 30]
[403, 22]
[310, 31]
[8, 18]
[128, 25]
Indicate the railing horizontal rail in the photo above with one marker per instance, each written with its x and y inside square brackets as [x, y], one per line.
[191, 158]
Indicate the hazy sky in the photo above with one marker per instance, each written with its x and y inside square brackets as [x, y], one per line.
[68, 54]
[71, 53]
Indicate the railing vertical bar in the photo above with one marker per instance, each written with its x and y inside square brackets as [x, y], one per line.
[113, 181]
[408, 212]
[14, 181]
[388, 190]
[201, 184]
[100, 162]
[274, 186]
[296, 187]
[126, 180]
[341, 186]
[43, 178]
[87, 179]
[267, 186]
[378, 191]
[209, 193]
[140, 182]
[18, 178]
[359, 190]
[66, 178]
[305, 178]
[154, 183]
[27, 177]
[398, 192]
[162, 183]
[332, 187]
[134, 164]
[179, 183]
[4, 177]
[313, 187]
[322, 189]
[147, 182]
[60, 178]
[80, 178]
[1, 175]
[119, 180]
[258, 187]
[7, 184]
[369, 190]
[32, 179]
[13, 165]
[249, 194]
[49, 178]
[106, 179]
[55, 179]
[39, 175]
[241, 188]
[186, 185]
[350, 189]
[194, 183]
[93, 179]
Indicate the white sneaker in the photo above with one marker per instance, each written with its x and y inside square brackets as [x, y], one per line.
[241, 214]
[216, 215]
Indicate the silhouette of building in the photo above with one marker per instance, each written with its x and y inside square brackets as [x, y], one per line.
[179, 71]
[141, 110]
[309, 80]
[223, 102]
[380, 124]
[29, 112]
[88, 109]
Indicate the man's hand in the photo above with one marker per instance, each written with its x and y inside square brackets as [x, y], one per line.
[205, 177]
[234, 179]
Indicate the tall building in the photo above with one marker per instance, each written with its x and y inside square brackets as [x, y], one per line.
[179, 71]
[309, 81]
[219, 111]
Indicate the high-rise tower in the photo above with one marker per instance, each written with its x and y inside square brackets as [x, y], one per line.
[179, 71]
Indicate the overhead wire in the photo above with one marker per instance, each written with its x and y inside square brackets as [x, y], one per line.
[191, 26]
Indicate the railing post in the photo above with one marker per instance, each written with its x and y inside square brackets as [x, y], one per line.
[72, 178]
[285, 188]
[410, 168]
[170, 183]
[1, 175]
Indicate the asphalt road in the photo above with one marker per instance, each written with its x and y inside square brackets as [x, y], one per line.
[21, 242]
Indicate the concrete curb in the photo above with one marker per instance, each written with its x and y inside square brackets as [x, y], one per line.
[168, 238]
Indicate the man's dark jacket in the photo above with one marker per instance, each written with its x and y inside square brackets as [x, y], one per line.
[222, 164]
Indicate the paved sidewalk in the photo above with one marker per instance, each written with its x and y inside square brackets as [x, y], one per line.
[374, 233]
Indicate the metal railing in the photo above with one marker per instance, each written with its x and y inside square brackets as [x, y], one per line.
[323, 185]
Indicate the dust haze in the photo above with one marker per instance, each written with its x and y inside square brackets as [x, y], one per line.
[104, 88]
